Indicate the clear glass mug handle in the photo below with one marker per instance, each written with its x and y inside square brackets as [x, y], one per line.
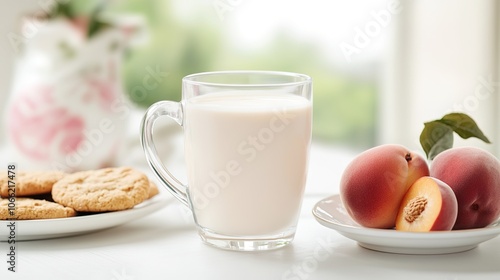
[174, 111]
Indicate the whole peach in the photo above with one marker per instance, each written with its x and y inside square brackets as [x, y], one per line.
[374, 183]
[474, 176]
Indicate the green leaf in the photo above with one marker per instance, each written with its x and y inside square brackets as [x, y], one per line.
[83, 8]
[437, 135]
[62, 10]
[464, 126]
[435, 138]
[95, 24]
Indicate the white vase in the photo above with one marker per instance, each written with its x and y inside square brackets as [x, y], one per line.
[67, 109]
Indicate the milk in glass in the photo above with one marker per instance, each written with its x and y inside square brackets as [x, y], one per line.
[247, 155]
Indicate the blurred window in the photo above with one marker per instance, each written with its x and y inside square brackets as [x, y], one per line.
[338, 43]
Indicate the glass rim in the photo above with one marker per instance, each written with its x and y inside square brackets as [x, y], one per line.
[301, 79]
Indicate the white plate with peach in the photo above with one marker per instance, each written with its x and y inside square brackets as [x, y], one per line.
[331, 213]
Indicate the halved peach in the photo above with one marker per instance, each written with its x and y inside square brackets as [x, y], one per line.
[429, 205]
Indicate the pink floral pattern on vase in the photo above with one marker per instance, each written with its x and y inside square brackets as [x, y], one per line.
[38, 126]
[103, 92]
[60, 128]
[67, 111]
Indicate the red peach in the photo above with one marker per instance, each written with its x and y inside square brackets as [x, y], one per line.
[474, 176]
[374, 183]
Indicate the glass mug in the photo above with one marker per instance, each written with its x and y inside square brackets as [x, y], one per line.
[247, 136]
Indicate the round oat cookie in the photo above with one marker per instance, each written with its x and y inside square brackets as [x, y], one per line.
[107, 189]
[30, 182]
[32, 209]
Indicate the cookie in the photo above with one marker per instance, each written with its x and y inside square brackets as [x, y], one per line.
[31, 209]
[107, 189]
[30, 182]
[153, 189]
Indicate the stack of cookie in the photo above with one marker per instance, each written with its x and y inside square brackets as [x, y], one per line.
[54, 194]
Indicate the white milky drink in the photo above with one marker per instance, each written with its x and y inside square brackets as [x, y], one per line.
[247, 155]
[247, 136]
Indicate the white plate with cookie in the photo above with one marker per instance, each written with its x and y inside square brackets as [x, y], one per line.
[51, 204]
[63, 227]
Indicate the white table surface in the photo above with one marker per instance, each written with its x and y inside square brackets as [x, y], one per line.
[165, 245]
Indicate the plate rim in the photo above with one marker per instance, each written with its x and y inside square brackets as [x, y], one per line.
[147, 207]
[493, 229]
